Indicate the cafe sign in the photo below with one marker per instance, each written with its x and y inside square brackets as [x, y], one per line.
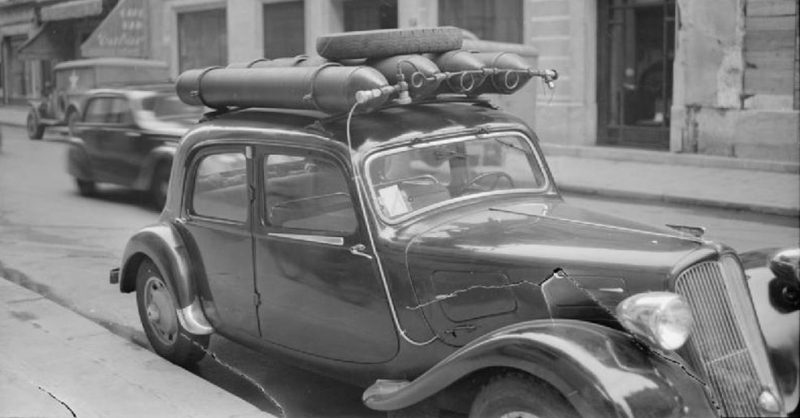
[123, 33]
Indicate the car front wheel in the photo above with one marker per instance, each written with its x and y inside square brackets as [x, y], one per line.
[34, 128]
[158, 313]
[520, 396]
[160, 186]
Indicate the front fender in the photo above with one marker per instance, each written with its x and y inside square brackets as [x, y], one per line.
[162, 244]
[603, 372]
[778, 317]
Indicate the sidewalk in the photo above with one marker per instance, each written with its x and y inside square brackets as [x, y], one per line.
[56, 363]
[758, 186]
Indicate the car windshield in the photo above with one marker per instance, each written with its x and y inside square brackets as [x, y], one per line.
[167, 107]
[413, 178]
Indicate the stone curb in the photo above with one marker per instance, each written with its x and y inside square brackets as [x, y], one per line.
[643, 196]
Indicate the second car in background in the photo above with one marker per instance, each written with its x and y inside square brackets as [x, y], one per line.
[127, 137]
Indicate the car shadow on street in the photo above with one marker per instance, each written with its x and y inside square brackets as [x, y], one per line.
[117, 194]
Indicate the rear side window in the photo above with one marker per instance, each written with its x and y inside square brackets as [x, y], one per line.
[97, 110]
[308, 193]
[220, 187]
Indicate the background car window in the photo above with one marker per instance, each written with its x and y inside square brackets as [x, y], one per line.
[120, 111]
[307, 193]
[97, 110]
[220, 187]
[167, 107]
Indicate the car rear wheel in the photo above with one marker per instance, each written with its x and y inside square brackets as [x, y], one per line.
[34, 128]
[158, 313]
[85, 187]
[517, 395]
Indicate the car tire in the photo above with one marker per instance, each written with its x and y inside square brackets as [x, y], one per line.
[158, 313]
[518, 394]
[388, 42]
[32, 125]
[72, 119]
[85, 187]
[159, 186]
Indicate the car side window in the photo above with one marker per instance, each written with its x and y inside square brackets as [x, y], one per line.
[308, 193]
[220, 187]
[120, 112]
[97, 110]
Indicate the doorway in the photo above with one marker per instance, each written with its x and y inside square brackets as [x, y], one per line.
[636, 47]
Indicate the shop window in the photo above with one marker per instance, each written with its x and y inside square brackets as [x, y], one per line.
[284, 29]
[370, 14]
[202, 39]
[490, 20]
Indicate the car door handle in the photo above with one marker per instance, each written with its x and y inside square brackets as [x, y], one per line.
[359, 250]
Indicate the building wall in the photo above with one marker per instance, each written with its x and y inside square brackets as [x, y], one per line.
[734, 86]
[564, 33]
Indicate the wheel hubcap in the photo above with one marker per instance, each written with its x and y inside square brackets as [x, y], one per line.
[161, 314]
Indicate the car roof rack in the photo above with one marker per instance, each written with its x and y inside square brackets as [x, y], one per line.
[367, 83]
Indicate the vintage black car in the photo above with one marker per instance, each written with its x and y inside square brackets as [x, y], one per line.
[65, 98]
[419, 247]
[127, 136]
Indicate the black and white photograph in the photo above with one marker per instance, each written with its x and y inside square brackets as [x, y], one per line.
[399, 208]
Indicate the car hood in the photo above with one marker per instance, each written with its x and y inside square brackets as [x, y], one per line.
[489, 266]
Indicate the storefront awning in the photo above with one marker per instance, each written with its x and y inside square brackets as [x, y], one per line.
[50, 42]
[71, 10]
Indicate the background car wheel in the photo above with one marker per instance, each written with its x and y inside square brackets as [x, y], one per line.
[388, 42]
[160, 186]
[72, 119]
[520, 395]
[34, 128]
[157, 311]
[85, 187]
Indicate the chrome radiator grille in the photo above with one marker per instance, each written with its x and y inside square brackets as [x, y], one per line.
[726, 346]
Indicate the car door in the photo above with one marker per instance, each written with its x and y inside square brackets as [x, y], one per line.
[90, 130]
[120, 141]
[319, 291]
[216, 217]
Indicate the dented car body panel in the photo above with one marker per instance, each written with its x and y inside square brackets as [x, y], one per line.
[426, 292]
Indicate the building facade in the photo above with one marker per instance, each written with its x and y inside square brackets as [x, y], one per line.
[681, 76]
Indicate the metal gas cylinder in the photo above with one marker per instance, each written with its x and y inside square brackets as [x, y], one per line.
[467, 64]
[330, 88]
[509, 72]
[421, 74]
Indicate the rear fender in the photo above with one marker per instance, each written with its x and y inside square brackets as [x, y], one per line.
[602, 372]
[163, 245]
[160, 155]
[78, 163]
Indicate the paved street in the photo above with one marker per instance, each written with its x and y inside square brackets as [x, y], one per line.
[62, 245]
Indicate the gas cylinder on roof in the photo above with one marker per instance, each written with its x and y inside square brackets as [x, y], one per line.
[469, 69]
[508, 72]
[421, 74]
[330, 88]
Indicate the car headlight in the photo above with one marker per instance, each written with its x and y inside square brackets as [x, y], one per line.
[662, 318]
